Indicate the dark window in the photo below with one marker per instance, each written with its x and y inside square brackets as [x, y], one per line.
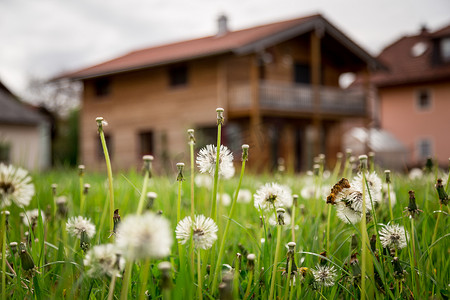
[302, 73]
[5, 151]
[178, 76]
[424, 148]
[445, 49]
[100, 153]
[423, 100]
[146, 143]
[102, 87]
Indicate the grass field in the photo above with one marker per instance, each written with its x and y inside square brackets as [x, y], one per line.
[355, 265]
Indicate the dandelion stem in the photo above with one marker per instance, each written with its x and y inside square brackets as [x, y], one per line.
[191, 249]
[82, 196]
[144, 279]
[126, 280]
[199, 275]
[275, 262]
[110, 178]
[433, 238]
[366, 262]
[191, 148]
[112, 285]
[225, 233]
[328, 228]
[288, 280]
[293, 222]
[143, 193]
[180, 247]
[249, 285]
[216, 175]
[412, 259]
[389, 199]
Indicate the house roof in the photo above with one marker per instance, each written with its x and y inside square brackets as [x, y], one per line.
[15, 112]
[239, 42]
[411, 59]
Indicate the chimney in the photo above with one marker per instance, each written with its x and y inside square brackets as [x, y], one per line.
[222, 24]
[423, 29]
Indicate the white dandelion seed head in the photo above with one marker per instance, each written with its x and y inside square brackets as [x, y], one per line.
[415, 173]
[324, 275]
[244, 196]
[206, 161]
[104, 260]
[30, 218]
[15, 186]
[373, 182]
[203, 181]
[203, 229]
[393, 236]
[224, 198]
[272, 195]
[75, 226]
[349, 203]
[145, 236]
[273, 219]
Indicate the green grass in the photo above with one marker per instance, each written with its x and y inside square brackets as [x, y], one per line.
[61, 272]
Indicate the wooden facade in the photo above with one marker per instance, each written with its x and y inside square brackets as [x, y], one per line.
[282, 99]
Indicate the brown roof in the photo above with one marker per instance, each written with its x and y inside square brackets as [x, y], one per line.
[241, 41]
[406, 68]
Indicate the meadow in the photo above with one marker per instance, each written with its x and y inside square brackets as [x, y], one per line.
[359, 232]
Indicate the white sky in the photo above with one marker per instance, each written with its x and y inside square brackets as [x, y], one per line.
[41, 38]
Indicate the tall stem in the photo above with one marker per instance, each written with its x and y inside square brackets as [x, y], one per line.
[390, 203]
[82, 196]
[216, 175]
[144, 279]
[225, 233]
[191, 250]
[433, 238]
[199, 275]
[111, 288]
[126, 280]
[110, 178]
[328, 228]
[275, 262]
[366, 266]
[143, 193]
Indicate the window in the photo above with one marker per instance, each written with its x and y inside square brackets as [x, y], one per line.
[445, 49]
[178, 76]
[302, 73]
[102, 87]
[5, 151]
[423, 100]
[100, 154]
[424, 148]
[146, 146]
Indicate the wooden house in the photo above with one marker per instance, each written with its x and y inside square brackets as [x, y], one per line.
[278, 84]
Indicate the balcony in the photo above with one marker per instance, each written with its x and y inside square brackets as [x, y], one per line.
[283, 97]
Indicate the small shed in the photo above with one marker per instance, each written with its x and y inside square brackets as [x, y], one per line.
[24, 133]
[390, 153]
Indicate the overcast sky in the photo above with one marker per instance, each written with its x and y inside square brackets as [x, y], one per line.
[42, 38]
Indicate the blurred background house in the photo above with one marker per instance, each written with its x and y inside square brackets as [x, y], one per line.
[414, 94]
[279, 84]
[24, 133]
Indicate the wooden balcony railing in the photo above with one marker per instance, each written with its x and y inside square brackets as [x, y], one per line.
[299, 98]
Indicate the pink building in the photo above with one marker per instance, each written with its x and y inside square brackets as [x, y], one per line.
[414, 95]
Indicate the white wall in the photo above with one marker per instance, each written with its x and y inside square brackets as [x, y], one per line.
[30, 145]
